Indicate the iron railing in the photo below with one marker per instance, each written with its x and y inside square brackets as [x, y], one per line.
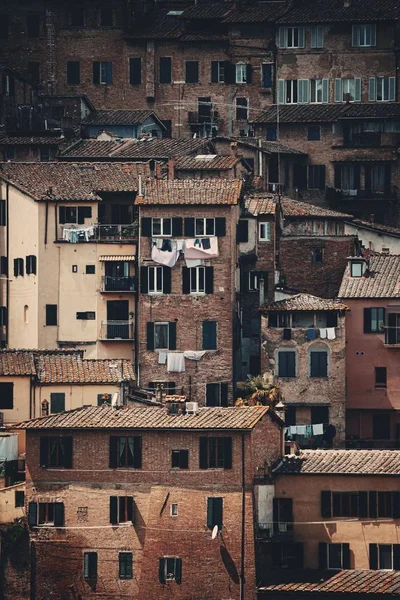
[116, 330]
[118, 284]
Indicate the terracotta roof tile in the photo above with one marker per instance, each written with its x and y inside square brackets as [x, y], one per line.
[118, 117]
[262, 12]
[150, 148]
[73, 181]
[207, 10]
[260, 205]
[376, 226]
[383, 280]
[18, 362]
[13, 140]
[74, 369]
[294, 208]
[106, 417]
[326, 113]
[213, 163]
[304, 302]
[199, 191]
[340, 462]
[336, 11]
[157, 25]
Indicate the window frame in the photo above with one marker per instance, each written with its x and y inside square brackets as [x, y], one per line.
[156, 270]
[197, 277]
[381, 378]
[329, 558]
[161, 324]
[356, 264]
[178, 459]
[88, 574]
[190, 78]
[240, 73]
[171, 575]
[283, 351]
[242, 108]
[174, 511]
[290, 32]
[163, 222]
[267, 235]
[46, 513]
[311, 369]
[314, 133]
[124, 460]
[125, 565]
[206, 224]
[359, 35]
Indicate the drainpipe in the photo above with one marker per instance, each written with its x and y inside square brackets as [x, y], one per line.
[8, 261]
[242, 542]
[261, 284]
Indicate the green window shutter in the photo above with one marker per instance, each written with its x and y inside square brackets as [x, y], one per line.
[67, 447]
[178, 570]
[281, 91]
[325, 91]
[144, 280]
[146, 227]
[113, 452]
[209, 280]
[357, 92]
[228, 453]
[373, 556]
[177, 226]
[392, 89]
[220, 226]
[189, 227]
[172, 335]
[58, 514]
[338, 90]
[209, 335]
[372, 89]
[57, 403]
[301, 37]
[346, 556]
[203, 452]
[96, 72]
[282, 37]
[114, 510]
[137, 452]
[161, 570]
[167, 272]
[314, 37]
[355, 35]
[214, 512]
[214, 71]
[150, 335]
[109, 76]
[326, 504]
[303, 91]
[32, 514]
[323, 555]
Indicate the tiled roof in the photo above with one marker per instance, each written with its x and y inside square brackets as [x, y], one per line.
[376, 226]
[326, 113]
[206, 36]
[261, 204]
[261, 12]
[68, 181]
[266, 146]
[198, 191]
[157, 25]
[340, 462]
[351, 583]
[17, 362]
[151, 148]
[294, 208]
[207, 10]
[13, 140]
[305, 302]
[336, 11]
[106, 417]
[74, 369]
[118, 117]
[214, 163]
[117, 258]
[382, 281]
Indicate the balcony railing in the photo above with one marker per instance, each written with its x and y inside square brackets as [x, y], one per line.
[116, 330]
[275, 188]
[118, 284]
[274, 532]
[357, 194]
[99, 233]
[392, 336]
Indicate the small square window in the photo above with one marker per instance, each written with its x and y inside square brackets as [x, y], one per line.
[90, 269]
[264, 232]
[174, 510]
[356, 269]
[74, 268]
[380, 377]
[314, 132]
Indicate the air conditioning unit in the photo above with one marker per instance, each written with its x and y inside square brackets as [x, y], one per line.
[192, 408]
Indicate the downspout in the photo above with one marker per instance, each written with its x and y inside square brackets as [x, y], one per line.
[242, 541]
[46, 223]
[8, 261]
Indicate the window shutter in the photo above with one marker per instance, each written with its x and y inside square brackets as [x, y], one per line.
[372, 89]
[301, 37]
[392, 89]
[130, 509]
[96, 72]
[210, 513]
[326, 503]
[248, 73]
[161, 570]
[184, 459]
[177, 223]
[15, 267]
[291, 364]
[242, 231]
[338, 177]
[372, 513]
[373, 35]
[281, 91]
[357, 90]
[322, 555]
[214, 71]
[92, 565]
[282, 37]
[33, 264]
[44, 451]
[178, 570]
[367, 177]
[32, 514]
[314, 37]
[396, 557]
[346, 556]
[4, 265]
[304, 89]
[325, 90]
[214, 512]
[150, 335]
[189, 227]
[224, 394]
[228, 453]
[209, 282]
[172, 335]
[135, 71]
[322, 169]
[373, 556]
[338, 90]
[392, 323]
[203, 453]
[113, 451]
[229, 72]
[355, 35]
[387, 178]
[59, 514]
[356, 177]
[167, 272]
[137, 451]
[363, 504]
[67, 441]
[61, 214]
[81, 214]
[109, 73]
[144, 280]
[114, 510]
[315, 366]
[146, 227]
[396, 505]
[185, 280]
[220, 226]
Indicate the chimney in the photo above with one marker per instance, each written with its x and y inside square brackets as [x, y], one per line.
[261, 288]
[171, 169]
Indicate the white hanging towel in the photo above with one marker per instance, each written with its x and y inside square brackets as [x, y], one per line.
[322, 333]
[301, 430]
[293, 429]
[193, 354]
[194, 262]
[163, 257]
[194, 248]
[175, 362]
[162, 358]
[318, 429]
[330, 332]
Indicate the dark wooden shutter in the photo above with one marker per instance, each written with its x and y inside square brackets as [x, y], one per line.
[16, 270]
[96, 72]
[130, 509]
[58, 514]
[299, 554]
[178, 570]
[396, 505]
[322, 555]
[32, 513]
[189, 226]
[146, 227]
[150, 335]
[137, 451]
[322, 177]
[242, 231]
[275, 514]
[209, 280]
[144, 280]
[67, 442]
[248, 73]
[92, 565]
[114, 510]
[363, 504]
[346, 556]
[109, 76]
[387, 179]
[167, 272]
[368, 178]
[230, 72]
[81, 215]
[356, 177]
[214, 512]
[396, 557]
[224, 394]
[203, 453]
[220, 226]
[44, 451]
[113, 452]
[135, 71]
[184, 459]
[300, 176]
[161, 570]
[372, 511]
[177, 226]
[373, 556]
[33, 264]
[367, 320]
[392, 331]
[4, 265]
[61, 214]
[338, 177]
[172, 335]
[326, 503]
[228, 453]
[185, 280]
[214, 71]
[291, 363]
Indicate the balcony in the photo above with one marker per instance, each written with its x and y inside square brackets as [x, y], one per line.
[392, 337]
[118, 284]
[99, 233]
[116, 331]
[276, 532]
[334, 194]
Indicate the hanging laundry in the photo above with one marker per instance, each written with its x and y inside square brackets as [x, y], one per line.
[301, 430]
[330, 333]
[293, 429]
[311, 334]
[162, 358]
[287, 334]
[194, 248]
[194, 354]
[308, 431]
[322, 333]
[205, 242]
[318, 429]
[194, 262]
[175, 362]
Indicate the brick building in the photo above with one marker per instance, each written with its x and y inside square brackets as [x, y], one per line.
[303, 341]
[94, 508]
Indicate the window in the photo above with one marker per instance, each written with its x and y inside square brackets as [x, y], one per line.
[356, 269]
[319, 363]
[56, 452]
[314, 133]
[364, 35]
[280, 319]
[106, 16]
[216, 394]
[287, 91]
[44, 153]
[378, 178]
[57, 403]
[161, 227]
[316, 177]
[319, 91]
[218, 71]
[374, 318]
[286, 363]
[4, 25]
[125, 565]
[345, 504]
[2, 212]
[264, 232]
[174, 510]
[214, 512]
[86, 316]
[103, 398]
[19, 499]
[90, 565]
[46, 513]
[170, 569]
[215, 452]
[197, 280]
[167, 386]
[334, 556]
[34, 71]
[381, 426]
[192, 71]
[384, 556]
[102, 72]
[348, 88]
[209, 335]
[266, 76]
[6, 395]
[30, 264]
[76, 16]
[51, 314]
[121, 509]
[241, 73]
[33, 26]
[319, 414]
[165, 69]
[317, 36]
[254, 277]
[283, 515]
[360, 504]
[125, 451]
[380, 377]
[67, 214]
[180, 459]
[161, 336]
[287, 555]
[291, 37]
[317, 256]
[135, 71]
[382, 89]
[271, 133]
[18, 267]
[90, 269]
[155, 280]
[73, 72]
[204, 227]
[242, 109]
[3, 316]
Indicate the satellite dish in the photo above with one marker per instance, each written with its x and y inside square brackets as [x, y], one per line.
[214, 532]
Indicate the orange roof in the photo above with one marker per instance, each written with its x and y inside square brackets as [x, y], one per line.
[191, 191]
